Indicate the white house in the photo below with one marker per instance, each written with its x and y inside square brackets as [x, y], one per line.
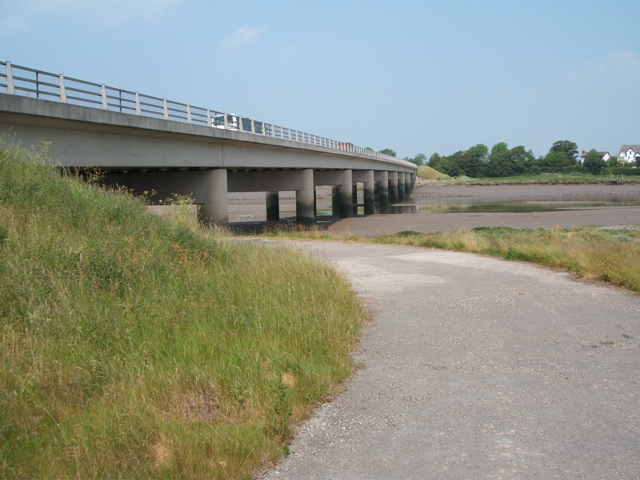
[603, 155]
[629, 154]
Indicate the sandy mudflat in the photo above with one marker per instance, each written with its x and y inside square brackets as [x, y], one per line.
[434, 189]
[250, 207]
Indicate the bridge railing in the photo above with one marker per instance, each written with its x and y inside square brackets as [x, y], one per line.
[18, 80]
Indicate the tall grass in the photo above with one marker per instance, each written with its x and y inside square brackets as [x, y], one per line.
[609, 255]
[134, 346]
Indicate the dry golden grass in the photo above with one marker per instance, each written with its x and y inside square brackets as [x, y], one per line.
[427, 173]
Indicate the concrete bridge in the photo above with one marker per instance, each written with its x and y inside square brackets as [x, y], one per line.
[147, 143]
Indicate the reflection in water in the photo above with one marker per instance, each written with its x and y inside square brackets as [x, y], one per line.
[249, 212]
[526, 205]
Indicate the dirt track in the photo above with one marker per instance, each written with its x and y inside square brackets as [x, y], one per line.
[476, 367]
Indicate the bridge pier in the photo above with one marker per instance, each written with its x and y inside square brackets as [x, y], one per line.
[369, 193]
[215, 206]
[354, 198]
[393, 187]
[409, 183]
[382, 178]
[273, 206]
[346, 195]
[305, 199]
[401, 190]
[335, 200]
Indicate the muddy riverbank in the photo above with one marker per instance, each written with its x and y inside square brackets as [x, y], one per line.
[250, 208]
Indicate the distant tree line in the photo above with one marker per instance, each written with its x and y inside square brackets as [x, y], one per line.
[502, 161]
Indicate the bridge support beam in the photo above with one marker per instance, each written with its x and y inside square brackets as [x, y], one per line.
[383, 189]
[393, 187]
[305, 199]
[215, 207]
[273, 206]
[401, 187]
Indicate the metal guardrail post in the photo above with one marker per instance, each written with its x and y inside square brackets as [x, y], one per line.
[165, 110]
[63, 91]
[208, 117]
[189, 114]
[10, 89]
[137, 100]
[105, 105]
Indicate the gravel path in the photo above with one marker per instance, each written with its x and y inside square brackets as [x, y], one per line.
[478, 368]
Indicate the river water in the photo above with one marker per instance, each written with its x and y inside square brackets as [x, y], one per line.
[461, 199]
[531, 205]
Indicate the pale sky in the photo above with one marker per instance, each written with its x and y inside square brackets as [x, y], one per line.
[417, 76]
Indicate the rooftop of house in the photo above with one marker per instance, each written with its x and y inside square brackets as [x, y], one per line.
[600, 154]
[626, 148]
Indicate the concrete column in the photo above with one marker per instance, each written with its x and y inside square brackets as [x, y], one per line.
[401, 188]
[411, 183]
[273, 206]
[354, 198]
[393, 187]
[369, 194]
[346, 195]
[215, 207]
[335, 200]
[383, 190]
[305, 199]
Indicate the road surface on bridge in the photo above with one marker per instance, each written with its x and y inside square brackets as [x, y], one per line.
[475, 367]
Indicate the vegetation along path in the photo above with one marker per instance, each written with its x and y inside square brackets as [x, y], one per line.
[476, 367]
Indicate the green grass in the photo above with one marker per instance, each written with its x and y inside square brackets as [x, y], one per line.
[137, 347]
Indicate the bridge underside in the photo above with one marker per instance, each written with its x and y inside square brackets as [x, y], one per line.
[209, 188]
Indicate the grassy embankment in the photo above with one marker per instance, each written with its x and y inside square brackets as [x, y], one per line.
[553, 178]
[428, 173]
[587, 252]
[133, 346]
